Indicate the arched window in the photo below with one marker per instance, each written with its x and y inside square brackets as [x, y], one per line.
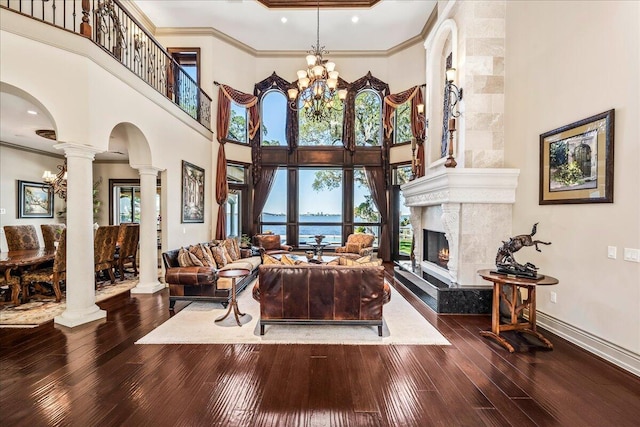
[324, 132]
[237, 124]
[402, 129]
[368, 118]
[274, 119]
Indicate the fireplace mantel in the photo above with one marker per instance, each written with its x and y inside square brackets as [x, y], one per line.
[472, 207]
[463, 185]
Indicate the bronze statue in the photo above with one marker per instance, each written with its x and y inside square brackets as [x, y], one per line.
[505, 261]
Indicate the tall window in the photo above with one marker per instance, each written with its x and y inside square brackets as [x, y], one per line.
[185, 87]
[237, 124]
[235, 205]
[274, 119]
[405, 232]
[325, 132]
[320, 194]
[402, 129]
[274, 213]
[366, 217]
[368, 118]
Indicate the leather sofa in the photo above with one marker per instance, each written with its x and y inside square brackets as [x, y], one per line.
[202, 283]
[321, 294]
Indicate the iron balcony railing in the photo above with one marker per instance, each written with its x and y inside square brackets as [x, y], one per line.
[109, 25]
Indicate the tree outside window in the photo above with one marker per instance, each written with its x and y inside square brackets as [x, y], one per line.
[368, 118]
[238, 124]
[402, 128]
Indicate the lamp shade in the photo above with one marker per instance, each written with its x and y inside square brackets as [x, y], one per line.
[292, 93]
[302, 74]
[451, 74]
[311, 60]
[330, 66]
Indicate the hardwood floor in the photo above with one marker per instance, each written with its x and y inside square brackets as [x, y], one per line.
[94, 375]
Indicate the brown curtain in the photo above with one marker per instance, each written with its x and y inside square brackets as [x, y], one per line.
[376, 181]
[260, 193]
[418, 129]
[225, 95]
[393, 101]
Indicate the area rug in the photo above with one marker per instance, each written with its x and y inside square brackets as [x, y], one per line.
[36, 312]
[195, 325]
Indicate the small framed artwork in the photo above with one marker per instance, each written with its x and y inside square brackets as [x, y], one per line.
[35, 200]
[576, 162]
[192, 193]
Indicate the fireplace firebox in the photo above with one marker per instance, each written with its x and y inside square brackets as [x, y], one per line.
[436, 248]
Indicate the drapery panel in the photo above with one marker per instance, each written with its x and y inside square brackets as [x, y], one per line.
[261, 193]
[418, 125]
[225, 95]
[376, 181]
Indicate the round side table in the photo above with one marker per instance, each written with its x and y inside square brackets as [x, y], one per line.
[529, 327]
[233, 275]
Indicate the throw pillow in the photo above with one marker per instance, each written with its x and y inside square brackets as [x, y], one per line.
[285, 260]
[207, 249]
[187, 259]
[231, 248]
[349, 261]
[354, 248]
[365, 258]
[334, 262]
[219, 254]
[268, 259]
[202, 255]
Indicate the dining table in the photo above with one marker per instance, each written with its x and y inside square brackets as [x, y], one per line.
[18, 261]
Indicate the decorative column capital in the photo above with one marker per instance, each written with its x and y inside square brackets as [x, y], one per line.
[147, 170]
[72, 149]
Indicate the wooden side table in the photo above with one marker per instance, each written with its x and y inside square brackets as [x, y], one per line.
[233, 275]
[529, 327]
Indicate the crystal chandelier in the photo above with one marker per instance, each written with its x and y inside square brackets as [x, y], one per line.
[317, 85]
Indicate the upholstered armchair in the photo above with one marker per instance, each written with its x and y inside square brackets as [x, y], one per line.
[21, 237]
[128, 238]
[270, 244]
[104, 248]
[53, 275]
[51, 234]
[358, 245]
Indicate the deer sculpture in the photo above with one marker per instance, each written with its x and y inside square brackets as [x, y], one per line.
[505, 261]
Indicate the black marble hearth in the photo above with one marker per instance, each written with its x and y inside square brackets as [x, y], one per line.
[441, 297]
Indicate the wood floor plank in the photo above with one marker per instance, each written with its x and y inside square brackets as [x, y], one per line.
[96, 375]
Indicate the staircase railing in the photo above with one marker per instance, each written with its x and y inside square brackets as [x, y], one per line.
[109, 25]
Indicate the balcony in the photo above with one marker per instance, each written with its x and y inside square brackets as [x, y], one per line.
[111, 27]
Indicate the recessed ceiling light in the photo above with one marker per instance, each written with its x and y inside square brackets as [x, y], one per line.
[355, 19]
[283, 19]
[35, 113]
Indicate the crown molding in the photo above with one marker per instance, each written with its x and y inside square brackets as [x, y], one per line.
[133, 8]
[205, 31]
[30, 150]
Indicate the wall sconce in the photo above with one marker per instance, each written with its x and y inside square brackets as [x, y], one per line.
[455, 96]
[57, 182]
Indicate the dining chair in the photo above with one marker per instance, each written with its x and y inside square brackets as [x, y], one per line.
[128, 238]
[51, 234]
[104, 248]
[53, 275]
[21, 237]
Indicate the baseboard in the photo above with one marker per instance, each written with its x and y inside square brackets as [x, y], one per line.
[613, 353]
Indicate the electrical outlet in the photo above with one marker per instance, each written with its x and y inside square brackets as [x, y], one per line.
[632, 255]
[612, 252]
[3, 211]
[553, 297]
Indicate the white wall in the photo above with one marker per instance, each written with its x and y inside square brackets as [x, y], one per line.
[16, 164]
[566, 61]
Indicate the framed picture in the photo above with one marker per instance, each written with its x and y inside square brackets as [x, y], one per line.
[192, 193]
[35, 200]
[576, 162]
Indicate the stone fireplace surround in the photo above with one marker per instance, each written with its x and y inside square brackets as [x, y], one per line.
[473, 208]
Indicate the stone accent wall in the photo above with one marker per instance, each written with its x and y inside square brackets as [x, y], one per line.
[481, 45]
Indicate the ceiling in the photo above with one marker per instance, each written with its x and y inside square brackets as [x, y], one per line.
[386, 24]
[380, 27]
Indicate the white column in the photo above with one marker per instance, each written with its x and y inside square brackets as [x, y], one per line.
[148, 267]
[81, 292]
